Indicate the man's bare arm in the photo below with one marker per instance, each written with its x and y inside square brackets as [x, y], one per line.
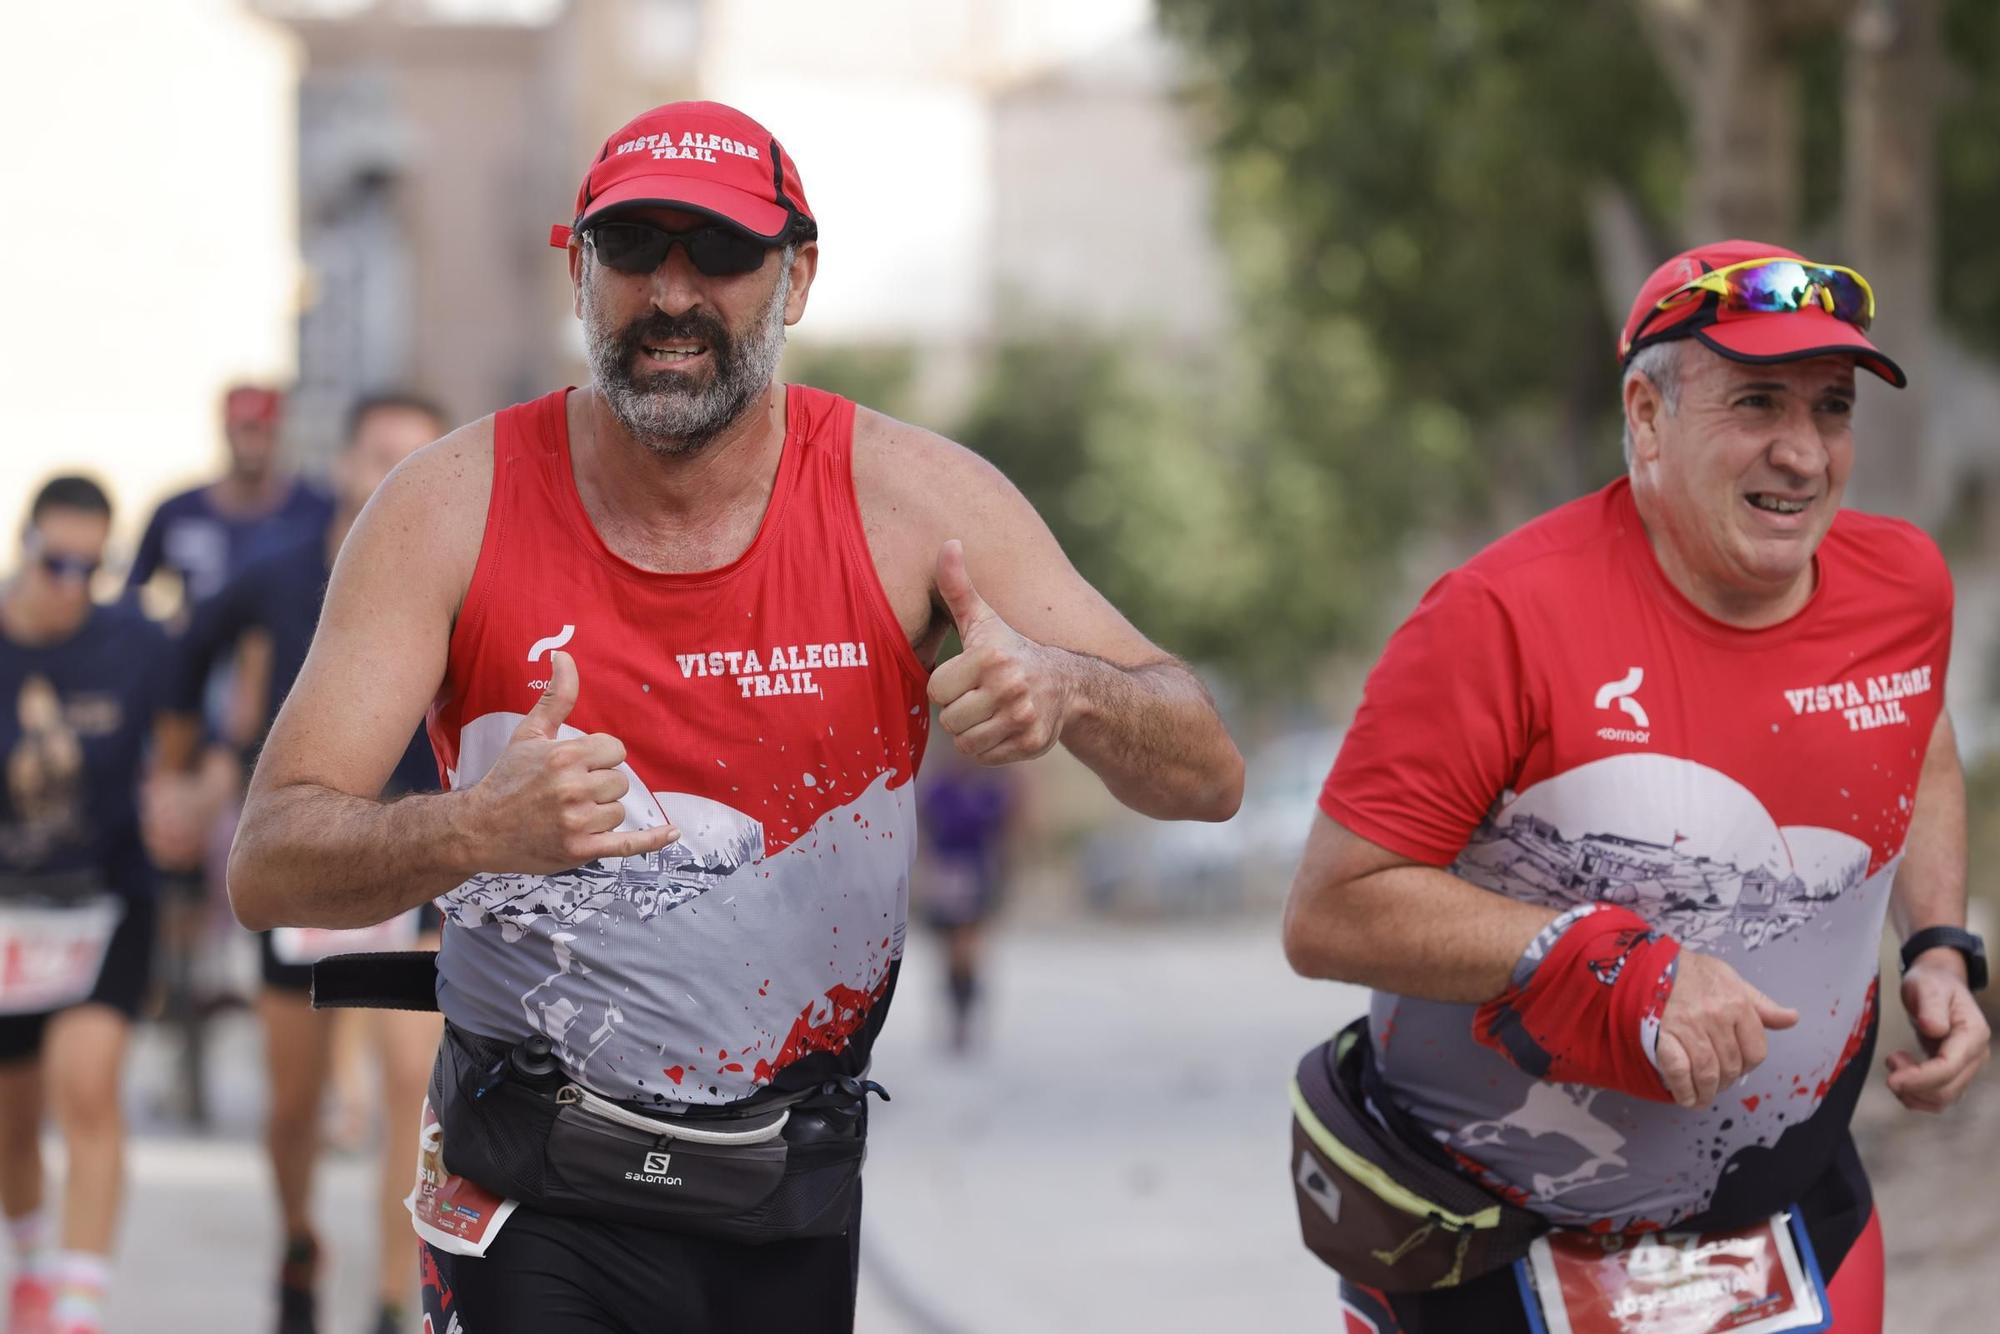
[1930, 891]
[1930, 883]
[1048, 657]
[1361, 913]
[315, 845]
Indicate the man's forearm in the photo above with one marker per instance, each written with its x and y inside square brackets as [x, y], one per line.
[1413, 930]
[1152, 735]
[1930, 884]
[311, 856]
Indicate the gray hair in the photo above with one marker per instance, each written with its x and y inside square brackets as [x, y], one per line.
[1660, 363]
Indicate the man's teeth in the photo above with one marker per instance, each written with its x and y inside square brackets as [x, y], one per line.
[672, 353]
[1776, 505]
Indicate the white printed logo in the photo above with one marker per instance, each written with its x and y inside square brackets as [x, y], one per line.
[655, 1171]
[551, 643]
[1620, 693]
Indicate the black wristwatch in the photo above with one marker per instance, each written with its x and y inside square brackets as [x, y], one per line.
[1950, 937]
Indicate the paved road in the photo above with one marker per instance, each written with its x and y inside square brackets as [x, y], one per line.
[1113, 1160]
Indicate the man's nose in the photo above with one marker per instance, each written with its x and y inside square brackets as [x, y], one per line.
[676, 282]
[1798, 448]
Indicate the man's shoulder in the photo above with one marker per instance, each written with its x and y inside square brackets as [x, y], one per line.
[456, 467]
[1885, 562]
[189, 503]
[430, 511]
[309, 499]
[1548, 551]
[920, 473]
[287, 567]
[1880, 538]
[122, 623]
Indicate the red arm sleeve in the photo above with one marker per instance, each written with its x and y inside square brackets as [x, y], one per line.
[1444, 725]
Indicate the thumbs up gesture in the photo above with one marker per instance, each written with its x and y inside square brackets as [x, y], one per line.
[552, 802]
[1005, 698]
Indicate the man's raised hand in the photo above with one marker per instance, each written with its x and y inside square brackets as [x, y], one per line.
[552, 802]
[1005, 697]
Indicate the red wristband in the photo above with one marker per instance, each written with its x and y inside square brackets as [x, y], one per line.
[1585, 1003]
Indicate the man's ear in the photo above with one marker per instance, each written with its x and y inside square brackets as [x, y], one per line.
[576, 275]
[805, 264]
[1644, 406]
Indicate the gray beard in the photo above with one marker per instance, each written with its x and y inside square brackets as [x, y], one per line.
[662, 412]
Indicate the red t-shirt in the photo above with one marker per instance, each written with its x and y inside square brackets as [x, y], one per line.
[1557, 723]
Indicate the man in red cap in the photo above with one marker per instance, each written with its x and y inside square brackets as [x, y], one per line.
[207, 535]
[675, 634]
[1627, 799]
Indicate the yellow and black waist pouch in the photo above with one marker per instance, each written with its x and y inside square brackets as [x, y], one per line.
[1379, 1204]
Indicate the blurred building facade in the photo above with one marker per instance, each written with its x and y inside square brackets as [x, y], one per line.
[975, 167]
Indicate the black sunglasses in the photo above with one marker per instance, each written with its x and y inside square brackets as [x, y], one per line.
[61, 565]
[639, 247]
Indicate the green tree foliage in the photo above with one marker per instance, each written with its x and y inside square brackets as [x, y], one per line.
[1128, 456]
[1404, 188]
[1415, 173]
[1969, 174]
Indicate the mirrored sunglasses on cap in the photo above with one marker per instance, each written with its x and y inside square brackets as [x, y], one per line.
[1774, 286]
[715, 250]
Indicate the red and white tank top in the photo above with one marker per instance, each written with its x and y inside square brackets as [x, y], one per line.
[772, 709]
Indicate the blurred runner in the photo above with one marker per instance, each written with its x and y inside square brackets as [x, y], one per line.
[76, 907]
[668, 952]
[202, 538]
[280, 595]
[965, 811]
[257, 508]
[1616, 827]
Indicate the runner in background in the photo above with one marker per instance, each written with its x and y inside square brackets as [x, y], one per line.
[200, 539]
[280, 597]
[205, 536]
[77, 697]
[965, 812]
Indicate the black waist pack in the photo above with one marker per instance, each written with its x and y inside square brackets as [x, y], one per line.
[1377, 1201]
[514, 1123]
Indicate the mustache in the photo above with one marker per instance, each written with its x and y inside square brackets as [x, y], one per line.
[659, 327]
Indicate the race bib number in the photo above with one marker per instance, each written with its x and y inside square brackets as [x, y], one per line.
[448, 1211]
[1756, 1280]
[50, 957]
[310, 944]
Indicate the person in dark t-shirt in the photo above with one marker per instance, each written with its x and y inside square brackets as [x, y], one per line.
[78, 691]
[207, 535]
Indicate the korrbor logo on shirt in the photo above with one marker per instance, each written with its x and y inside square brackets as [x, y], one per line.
[1621, 694]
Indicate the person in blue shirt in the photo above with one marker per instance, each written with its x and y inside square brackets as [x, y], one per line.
[279, 598]
[195, 543]
[79, 687]
[207, 535]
